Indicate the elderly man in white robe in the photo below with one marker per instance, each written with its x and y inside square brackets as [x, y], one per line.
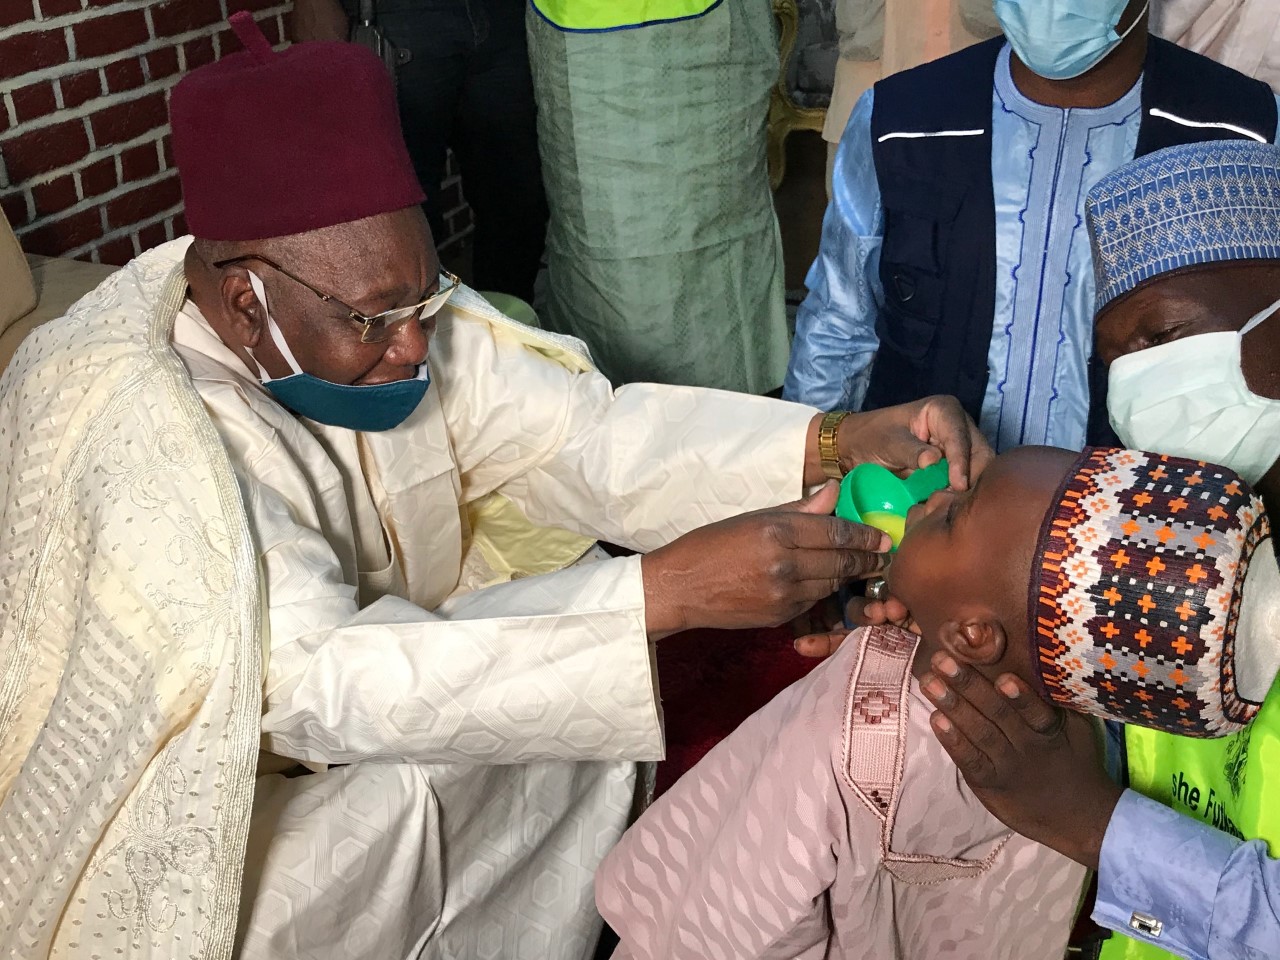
[304, 647]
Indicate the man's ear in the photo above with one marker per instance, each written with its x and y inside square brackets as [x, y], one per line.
[245, 316]
[975, 640]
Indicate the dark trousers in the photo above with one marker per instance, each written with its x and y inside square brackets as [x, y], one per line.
[468, 87]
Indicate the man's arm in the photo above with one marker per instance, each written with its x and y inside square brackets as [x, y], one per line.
[836, 338]
[1039, 770]
[1213, 897]
[548, 668]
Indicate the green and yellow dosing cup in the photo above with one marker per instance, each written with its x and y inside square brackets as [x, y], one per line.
[871, 494]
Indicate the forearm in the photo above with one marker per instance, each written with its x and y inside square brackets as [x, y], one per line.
[548, 668]
[654, 462]
[1214, 897]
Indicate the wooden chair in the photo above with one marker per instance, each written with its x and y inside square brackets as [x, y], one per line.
[785, 115]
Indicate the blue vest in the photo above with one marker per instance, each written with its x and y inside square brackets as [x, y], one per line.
[938, 258]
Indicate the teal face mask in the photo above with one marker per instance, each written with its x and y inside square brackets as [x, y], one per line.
[1062, 39]
[369, 408]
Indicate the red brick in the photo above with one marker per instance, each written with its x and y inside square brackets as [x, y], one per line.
[56, 8]
[59, 236]
[16, 11]
[138, 163]
[55, 196]
[167, 142]
[182, 16]
[270, 30]
[144, 202]
[80, 88]
[35, 101]
[162, 63]
[30, 154]
[228, 42]
[116, 252]
[199, 52]
[26, 52]
[124, 74]
[180, 226]
[110, 34]
[14, 206]
[125, 121]
[99, 177]
[152, 236]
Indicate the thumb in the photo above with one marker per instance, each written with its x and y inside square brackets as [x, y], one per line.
[822, 502]
[819, 645]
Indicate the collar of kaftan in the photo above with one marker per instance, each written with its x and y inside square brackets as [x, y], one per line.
[875, 743]
[131, 645]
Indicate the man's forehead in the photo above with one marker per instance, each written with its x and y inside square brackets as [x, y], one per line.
[1213, 293]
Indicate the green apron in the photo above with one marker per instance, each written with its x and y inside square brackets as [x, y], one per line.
[592, 15]
[1224, 783]
[663, 251]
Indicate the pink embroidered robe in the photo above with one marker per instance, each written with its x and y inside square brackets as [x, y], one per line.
[832, 824]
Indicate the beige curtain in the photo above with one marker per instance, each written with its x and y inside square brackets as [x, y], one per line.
[1244, 34]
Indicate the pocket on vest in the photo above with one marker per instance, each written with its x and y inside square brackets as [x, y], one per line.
[919, 220]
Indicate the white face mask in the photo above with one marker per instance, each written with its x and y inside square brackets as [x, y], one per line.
[1189, 398]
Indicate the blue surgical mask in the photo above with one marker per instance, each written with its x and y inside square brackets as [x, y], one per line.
[369, 408]
[1062, 39]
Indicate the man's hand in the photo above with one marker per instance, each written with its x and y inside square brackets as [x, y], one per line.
[914, 435]
[859, 612]
[318, 20]
[759, 569]
[1037, 768]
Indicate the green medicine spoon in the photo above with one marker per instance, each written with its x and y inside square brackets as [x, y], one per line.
[871, 494]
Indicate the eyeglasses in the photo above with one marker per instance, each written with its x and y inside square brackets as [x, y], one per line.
[380, 326]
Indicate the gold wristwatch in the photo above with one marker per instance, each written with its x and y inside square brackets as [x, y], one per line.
[828, 449]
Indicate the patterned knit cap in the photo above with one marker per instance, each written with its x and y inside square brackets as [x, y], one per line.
[1184, 206]
[1156, 595]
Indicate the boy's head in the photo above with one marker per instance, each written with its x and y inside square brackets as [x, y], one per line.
[1126, 570]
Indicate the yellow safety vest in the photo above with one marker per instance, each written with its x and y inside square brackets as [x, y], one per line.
[1220, 782]
[599, 15]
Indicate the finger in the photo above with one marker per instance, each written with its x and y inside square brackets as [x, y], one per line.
[862, 612]
[836, 566]
[798, 531]
[981, 694]
[895, 610]
[984, 734]
[820, 645]
[822, 501]
[974, 765]
[980, 454]
[943, 423]
[1044, 719]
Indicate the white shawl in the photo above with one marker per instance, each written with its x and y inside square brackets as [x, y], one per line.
[130, 658]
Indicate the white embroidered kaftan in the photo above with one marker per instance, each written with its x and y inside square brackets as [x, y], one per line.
[488, 744]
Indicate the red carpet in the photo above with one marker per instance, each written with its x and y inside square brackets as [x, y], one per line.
[712, 680]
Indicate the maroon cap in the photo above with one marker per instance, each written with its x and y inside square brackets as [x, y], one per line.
[270, 144]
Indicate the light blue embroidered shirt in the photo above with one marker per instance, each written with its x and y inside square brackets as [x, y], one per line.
[1216, 897]
[1044, 161]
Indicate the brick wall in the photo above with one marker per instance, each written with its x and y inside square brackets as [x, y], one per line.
[85, 163]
